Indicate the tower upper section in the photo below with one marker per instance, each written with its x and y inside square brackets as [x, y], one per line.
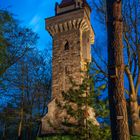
[70, 15]
[70, 5]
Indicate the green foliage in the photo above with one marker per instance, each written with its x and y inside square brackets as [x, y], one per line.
[5, 19]
[100, 133]
[135, 137]
[58, 138]
[84, 96]
[15, 40]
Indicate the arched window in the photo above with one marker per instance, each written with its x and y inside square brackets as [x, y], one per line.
[66, 46]
[66, 70]
[79, 3]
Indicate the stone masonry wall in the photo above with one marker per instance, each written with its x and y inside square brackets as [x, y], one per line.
[66, 63]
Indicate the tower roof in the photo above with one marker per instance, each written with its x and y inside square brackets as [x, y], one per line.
[65, 3]
[69, 5]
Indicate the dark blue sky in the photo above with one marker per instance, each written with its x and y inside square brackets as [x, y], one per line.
[32, 13]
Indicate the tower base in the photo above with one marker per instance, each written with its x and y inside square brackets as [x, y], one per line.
[53, 122]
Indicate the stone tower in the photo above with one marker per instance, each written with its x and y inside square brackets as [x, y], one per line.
[72, 36]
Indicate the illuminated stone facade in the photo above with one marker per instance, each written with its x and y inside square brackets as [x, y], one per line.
[72, 37]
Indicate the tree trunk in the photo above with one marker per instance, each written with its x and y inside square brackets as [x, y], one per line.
[4, 132]
[117, 102]
[134, 107]
[20, 126]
